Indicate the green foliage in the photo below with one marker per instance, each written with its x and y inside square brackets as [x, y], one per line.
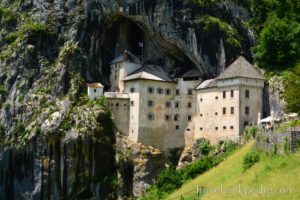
[7, 17]
[279, 44]
[291, 93]
[250, 159]
[253, 131]
[65, 125]
[287, 145]
[204, 3]
[2, 133]
[275, 149]
[211, 23]
[168, 181]
[204, 146]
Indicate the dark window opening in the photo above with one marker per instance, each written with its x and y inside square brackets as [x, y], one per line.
[231, 127]
[150, 103]
[189, 105]
[168, 104]
[224, 111]
[247, 94]
[232, 110]
[201, 128]
[247, 110]
[176, 117]
[201, 99]
[150, 116]
[189, 118]
[216, 128]
[190, 91]
[224, 94]
[177, 92]
[168, 91]
[117, 104]
[132, 90]
[188, 129]
[167, 117]
[216, 113]
[216, 98]
[132, 103]
[231, 93]
[176, 104]
[177, 127]
[95, 90]
[150, 90]
[201, 115]
[160, 91]
[224, 127]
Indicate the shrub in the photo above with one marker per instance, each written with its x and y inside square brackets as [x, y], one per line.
[204, 146]
[253, 132]
[250, 159]
[168, 181]
[287, 145]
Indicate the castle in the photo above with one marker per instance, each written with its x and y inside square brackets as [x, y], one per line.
[152, 108]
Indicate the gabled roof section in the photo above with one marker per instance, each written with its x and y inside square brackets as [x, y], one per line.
[95, 85]
[125, 56]
[150, 72]
[241, 68]
[210, 83]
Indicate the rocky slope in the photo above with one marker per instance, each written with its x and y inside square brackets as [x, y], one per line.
[55, 143]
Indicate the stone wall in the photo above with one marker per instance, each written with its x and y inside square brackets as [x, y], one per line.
[278, 142]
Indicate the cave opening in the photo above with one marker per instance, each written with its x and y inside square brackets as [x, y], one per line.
[128, 174]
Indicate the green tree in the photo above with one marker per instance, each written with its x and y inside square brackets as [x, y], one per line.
[292, 88]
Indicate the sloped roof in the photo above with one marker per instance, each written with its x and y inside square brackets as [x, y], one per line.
[131, 58]
[95, 85]
[116, 95]
[150, 72]
[241, 68]
[207, 84]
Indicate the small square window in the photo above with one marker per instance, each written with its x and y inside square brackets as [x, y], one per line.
[160, 91]
[132, 90]
[224, 127]
[125, 104]
[231, 127]
[201, 128]
[189, 105]
[150, 116]
[189, 118]
[216, 113]
[177, 92]
[132, 103]
[95, 90]
[216, 97]
[150, 103]
[201, 99]
[216, 128]
[117, 104]
[190, 91]
[176, 104]
[201, 115]
[168, 104]
[150, 90]
[232, 110]
[177, 127]
[167, 117]
[176, 117]
[168, 91]
[188, 129]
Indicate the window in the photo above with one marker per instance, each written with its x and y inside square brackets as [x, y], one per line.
[176, 117]
[224, 111]
[216, 128]
[150, 116]
[216, 97]
[247, 110]
[201, 128]
[232, 93]
[111, 104]
[125, 104]
[247, 93]
[189, 105]
[176, 104]
[189, 118]
[160, 91]
[95, 90]
[168, 91]
[177, 92]
[150, 90]
[115, 77]
[224, 127]
[132, 90]
[201, 115]
[117, 104]
[190, 91]
[168, 104]
[231, 127]
[232, 110]
[132, 103]
[177, 127]
[188, 129]
[167, 117]
[116, 66]
[216, 113]
[150, 103]
[224, 94]
[201, 99]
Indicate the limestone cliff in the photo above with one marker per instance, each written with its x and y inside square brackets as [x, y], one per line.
[55, 143]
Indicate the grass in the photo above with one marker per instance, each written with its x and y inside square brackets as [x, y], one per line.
[270, 172]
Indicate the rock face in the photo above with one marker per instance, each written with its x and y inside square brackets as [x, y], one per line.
[55, 143]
